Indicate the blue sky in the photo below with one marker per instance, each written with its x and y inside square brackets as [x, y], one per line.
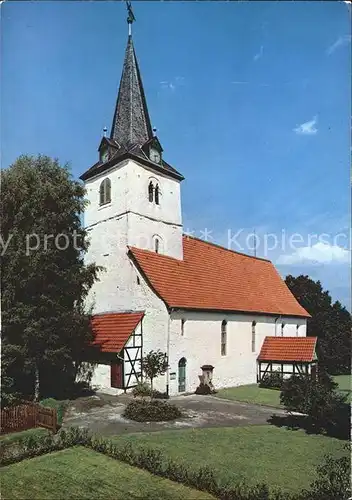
[251, 101]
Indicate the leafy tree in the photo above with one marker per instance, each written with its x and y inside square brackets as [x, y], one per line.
[44, 278]
[154, 364]
[326, 409]
[330, 322]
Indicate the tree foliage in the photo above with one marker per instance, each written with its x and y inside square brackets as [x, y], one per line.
[333, 480]
[154, 364]
[44, 278]
[326, 409]
[330, 322]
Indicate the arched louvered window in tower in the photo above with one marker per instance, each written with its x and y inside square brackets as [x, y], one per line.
[156, 195]
[151, 192]
[105, 192]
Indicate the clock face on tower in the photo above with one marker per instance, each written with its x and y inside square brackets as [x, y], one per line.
[155, 155]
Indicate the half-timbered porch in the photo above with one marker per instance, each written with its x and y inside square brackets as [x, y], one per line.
[287, 356]
[117, 347]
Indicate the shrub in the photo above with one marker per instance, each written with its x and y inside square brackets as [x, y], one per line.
[272, 380]
[333, 481]
[327, 410]
[160, 395]
[143, 389]
[143, 410]
[35, 445]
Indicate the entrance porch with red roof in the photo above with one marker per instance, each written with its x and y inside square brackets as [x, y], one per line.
[117, 349]
[287, 356]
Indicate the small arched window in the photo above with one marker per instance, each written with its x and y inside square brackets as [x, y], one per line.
[223, 338]
[183, 321]
[156, 194]
[105, 191]
[156, 245]
[151, 192]
[253, 335]
[282, 329]
[297, 330]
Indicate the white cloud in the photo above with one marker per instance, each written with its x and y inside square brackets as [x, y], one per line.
[167, 85]
[259, 54]
[177, 81]
[307, 128]
[320, 253]
[340, 42]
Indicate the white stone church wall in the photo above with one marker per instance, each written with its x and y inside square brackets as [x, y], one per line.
[201, 344]
[129, 201]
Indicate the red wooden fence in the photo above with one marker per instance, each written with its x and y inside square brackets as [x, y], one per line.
[27, 416]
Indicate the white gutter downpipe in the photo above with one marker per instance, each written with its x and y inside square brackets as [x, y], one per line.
[168, 352]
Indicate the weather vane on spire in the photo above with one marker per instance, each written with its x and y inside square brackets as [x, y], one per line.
[130, 17]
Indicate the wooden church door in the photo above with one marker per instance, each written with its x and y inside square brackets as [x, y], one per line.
[116, 378]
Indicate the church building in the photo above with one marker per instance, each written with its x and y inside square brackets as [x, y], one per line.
[199, 303]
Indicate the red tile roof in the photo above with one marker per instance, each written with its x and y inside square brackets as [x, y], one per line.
[288, 349]
[211, 277]
[112, 330]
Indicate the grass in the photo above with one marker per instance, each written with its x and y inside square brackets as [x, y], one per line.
[277, 456]
[251, 394]
[257, 395]
[15, 436]
[80, 473]
[344, 382]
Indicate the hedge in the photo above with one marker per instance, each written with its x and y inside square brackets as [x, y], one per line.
[203, 478]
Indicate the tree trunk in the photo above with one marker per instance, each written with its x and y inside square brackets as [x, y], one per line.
[36, 383]
[151, 388]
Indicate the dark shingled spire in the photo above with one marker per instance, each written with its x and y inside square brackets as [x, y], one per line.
[131, 134]
[131, 124]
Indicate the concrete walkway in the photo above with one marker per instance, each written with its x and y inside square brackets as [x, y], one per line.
[103, 414]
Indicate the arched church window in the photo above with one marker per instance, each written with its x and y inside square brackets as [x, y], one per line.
[105, 191]
[254, 324]
[151, 192]
[297, 330]
[156, 194]
[156, 245]
[183, 321]
[223, 338]
[282, 329]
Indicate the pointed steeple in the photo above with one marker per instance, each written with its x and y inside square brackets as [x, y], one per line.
[131, 124]
[131, 131]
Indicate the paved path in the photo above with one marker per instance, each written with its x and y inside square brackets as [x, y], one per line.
[200, 411]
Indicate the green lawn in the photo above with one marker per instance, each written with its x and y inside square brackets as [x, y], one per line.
[344, 382]
[254, 394]
[15, 436]
[277, 456]
[251, 394]
[80, 473]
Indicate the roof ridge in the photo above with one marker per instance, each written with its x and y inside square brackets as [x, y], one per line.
[119, 312]
[291, 337]
[224, 248]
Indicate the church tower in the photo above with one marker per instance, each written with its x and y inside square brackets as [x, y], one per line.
[133, 193]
